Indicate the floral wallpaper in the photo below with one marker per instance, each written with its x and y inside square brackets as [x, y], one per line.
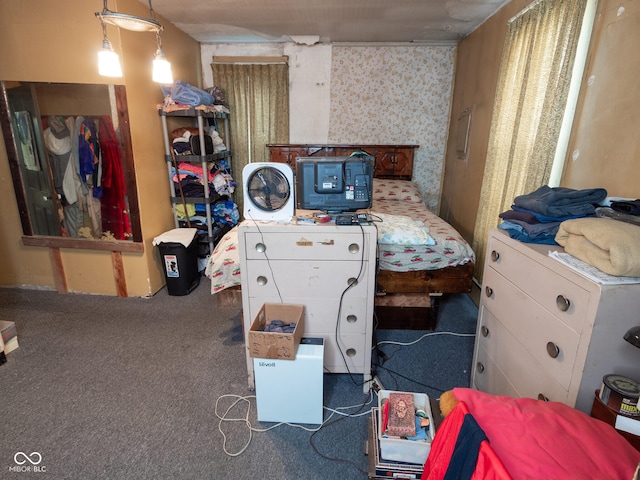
[395, 95]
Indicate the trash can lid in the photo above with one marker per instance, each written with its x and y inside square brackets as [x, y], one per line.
[177, 235]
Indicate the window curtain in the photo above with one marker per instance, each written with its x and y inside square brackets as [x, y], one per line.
[531, 95]
[258, 97]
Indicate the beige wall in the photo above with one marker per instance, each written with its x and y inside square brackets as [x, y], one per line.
[58, 42]
[603, 149]
[607, 116]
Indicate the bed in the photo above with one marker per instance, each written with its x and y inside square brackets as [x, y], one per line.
[411, 276]
[485, 436]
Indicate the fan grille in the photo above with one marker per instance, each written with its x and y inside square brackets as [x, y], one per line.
[268, 189]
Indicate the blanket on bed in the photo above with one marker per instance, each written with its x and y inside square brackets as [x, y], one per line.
[609, 245]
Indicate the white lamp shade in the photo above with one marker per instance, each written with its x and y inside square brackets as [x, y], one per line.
[109, 63]
[162, 70]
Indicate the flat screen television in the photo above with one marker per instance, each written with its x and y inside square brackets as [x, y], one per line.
[334, 184]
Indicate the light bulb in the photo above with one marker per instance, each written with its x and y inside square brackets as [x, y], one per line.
[108, 61]
[162, 69]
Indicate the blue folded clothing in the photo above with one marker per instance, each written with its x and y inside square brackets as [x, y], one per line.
[562, 201]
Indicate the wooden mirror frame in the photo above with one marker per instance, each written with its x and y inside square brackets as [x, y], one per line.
[31, 239]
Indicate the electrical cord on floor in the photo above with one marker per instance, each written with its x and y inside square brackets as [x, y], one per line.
[247, 401]
[430, 334]
[391, 372]
[328, 423]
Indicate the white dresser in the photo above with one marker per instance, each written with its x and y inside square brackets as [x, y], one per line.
[547, 332]
[327, 268]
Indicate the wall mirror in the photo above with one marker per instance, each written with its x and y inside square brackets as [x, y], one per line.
[70, 155]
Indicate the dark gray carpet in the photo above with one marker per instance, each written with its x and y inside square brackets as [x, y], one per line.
[110, 388]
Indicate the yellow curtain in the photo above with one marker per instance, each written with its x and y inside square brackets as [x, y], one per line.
[258, 97]
[531, 95]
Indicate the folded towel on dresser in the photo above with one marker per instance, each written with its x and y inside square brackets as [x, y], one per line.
[609, 245]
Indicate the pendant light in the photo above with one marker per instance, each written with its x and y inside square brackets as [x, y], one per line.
[108, 61]
[161, 67]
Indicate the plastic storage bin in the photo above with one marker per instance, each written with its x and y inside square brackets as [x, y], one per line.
[406, 451]
[179, 257]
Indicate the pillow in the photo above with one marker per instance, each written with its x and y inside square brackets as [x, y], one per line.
[401, 230]
[391, 189]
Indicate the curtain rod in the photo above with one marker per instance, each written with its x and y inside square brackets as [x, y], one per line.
[217, 59]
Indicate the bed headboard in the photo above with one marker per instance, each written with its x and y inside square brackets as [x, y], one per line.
[391, 161]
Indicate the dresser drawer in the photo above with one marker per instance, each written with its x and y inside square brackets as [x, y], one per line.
[532, 326]
[546, 287]
[524, 372]
[488, 377]
[321, 316]
[330, 246]
[351, 357]
[310, 279]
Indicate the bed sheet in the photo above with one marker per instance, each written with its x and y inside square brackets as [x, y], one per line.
[223, 266]
[448, 250]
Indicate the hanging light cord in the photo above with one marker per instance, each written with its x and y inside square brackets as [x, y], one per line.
[104, 31]
[151, 12]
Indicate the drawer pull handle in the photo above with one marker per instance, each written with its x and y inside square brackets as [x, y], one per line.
[488, 291]
[542, 397]
[352, 318]
[261, 280]
[495, 256]
[352, 281]
[563, 303]
[553, 350]
[261, 247]
[351, 352]
[480, 367]
[484, 330]
[354, 248]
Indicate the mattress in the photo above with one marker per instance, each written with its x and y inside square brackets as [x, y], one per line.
[446, 247]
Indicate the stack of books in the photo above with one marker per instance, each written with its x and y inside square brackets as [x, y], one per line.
[9, 335]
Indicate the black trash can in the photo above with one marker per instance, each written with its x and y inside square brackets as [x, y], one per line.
[180, 265]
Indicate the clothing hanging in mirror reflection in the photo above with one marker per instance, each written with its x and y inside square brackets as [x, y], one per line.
[27, 149]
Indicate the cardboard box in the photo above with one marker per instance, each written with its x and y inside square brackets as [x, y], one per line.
[401, 450]
[281, 346]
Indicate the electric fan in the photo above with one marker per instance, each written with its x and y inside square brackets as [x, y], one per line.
[268, 191]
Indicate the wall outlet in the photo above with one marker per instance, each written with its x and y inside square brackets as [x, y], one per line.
[375, 384]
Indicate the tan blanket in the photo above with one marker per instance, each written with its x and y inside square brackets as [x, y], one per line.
[609, 245]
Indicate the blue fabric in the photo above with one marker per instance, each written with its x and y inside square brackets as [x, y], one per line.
[421, 432]
[465, 452]
[518, 233]
[562, 201]
[187, 94]
[544, 218]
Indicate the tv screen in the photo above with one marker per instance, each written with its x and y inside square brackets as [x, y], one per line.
[334, 184]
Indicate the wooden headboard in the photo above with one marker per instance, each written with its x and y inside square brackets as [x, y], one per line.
[391, 161]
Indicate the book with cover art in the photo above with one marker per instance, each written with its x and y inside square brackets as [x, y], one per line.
[401, 415]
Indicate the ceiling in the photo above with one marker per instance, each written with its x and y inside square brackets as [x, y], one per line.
[327, 21]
